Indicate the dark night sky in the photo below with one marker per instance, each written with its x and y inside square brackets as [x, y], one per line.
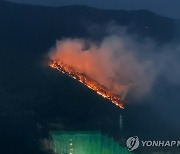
[169, 8]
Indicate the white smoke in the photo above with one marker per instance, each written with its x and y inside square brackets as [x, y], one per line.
[120, 62]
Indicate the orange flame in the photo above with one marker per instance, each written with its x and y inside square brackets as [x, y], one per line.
[90, 83]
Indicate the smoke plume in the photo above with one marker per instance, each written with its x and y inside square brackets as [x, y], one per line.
[112, 63]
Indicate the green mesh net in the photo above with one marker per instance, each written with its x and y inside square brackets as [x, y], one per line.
[85, 143]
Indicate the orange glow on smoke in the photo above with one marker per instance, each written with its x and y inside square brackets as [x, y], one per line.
[88, 82]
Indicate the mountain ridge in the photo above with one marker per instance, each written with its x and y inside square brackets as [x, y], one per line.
[74, 20]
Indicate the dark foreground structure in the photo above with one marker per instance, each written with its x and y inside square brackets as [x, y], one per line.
[85, 143]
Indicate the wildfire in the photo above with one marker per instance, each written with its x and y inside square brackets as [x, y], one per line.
[90, 83]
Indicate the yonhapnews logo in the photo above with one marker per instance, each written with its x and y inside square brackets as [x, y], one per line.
[133, 143]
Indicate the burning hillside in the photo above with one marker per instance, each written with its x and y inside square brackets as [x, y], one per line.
[109, 68]
[87, 81]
